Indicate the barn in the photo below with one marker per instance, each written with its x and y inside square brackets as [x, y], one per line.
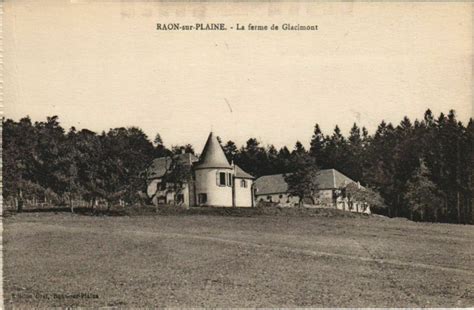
[274, 189]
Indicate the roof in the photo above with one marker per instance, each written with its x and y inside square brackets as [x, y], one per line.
[241, 174]
[275, 184]
[160, 165]
[212, 155]
[271, 184]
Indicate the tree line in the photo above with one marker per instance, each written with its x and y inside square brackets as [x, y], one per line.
[423, 169]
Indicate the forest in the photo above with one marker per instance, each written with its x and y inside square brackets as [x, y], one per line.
[423, 169]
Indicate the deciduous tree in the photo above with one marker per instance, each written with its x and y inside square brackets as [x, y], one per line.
[302, 182]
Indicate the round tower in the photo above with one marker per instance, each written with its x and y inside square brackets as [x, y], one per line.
[214, 176]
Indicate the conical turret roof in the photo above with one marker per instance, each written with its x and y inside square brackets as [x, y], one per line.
[212, 155]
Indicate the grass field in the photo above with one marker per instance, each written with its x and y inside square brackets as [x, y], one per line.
[260, 261]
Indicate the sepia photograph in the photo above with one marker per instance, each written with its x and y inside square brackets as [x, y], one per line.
[237, 154]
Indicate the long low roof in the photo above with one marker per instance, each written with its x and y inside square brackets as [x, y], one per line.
[276, 184]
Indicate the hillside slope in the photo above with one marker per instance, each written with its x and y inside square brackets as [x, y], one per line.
[264, 261]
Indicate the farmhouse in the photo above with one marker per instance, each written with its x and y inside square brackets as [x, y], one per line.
[213, 181]
[273, 188]
[160, 192]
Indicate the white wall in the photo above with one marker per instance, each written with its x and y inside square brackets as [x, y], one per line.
[324, 199]
[281, 199]
[186, 193]
[152, 186]
[170, 196]
[206, 182]
[243, 195]
[342, 204]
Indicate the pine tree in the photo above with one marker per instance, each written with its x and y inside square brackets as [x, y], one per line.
[160, 148]
[299, 149]
[380, 166]
[284, 161]
[182, 149]
[469, 151]
[422, 195]
[337, 151]
[317, 146]
[158, 141]
[354, 155]
[230, 150]
[253, 158]
[406, 157]
[273, 162]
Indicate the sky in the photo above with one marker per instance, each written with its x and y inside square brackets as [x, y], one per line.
[100, 65]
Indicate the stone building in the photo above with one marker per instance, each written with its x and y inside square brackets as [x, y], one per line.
[213, 180]
[274, 189]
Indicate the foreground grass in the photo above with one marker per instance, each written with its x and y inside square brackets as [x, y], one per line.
[204, 260]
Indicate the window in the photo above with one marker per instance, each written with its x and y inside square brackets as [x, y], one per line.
[202, 198]
[243, 183]
[222, 179]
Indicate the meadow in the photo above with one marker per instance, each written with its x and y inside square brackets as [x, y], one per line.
[183, 260]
